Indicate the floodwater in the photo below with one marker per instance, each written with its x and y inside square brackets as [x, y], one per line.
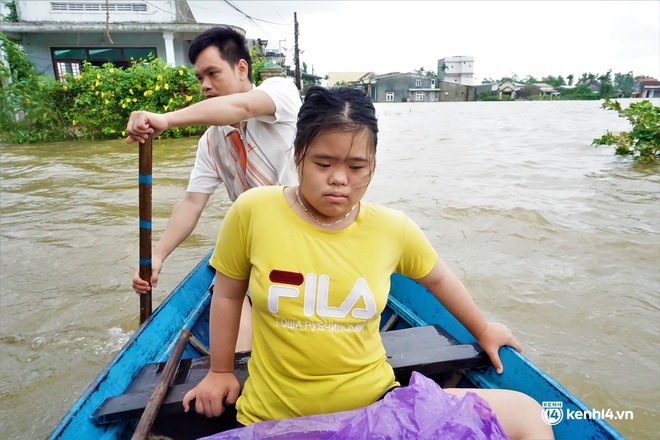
[555, 238]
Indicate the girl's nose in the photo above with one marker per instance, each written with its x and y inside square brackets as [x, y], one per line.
[338, 177]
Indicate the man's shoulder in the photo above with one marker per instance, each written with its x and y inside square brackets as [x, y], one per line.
[279, 84]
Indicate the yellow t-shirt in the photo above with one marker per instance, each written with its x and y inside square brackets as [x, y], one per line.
[316, 301]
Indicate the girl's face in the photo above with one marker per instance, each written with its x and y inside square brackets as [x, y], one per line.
[335, 173]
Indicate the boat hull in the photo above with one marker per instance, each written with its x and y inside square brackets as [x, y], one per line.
[410, 305]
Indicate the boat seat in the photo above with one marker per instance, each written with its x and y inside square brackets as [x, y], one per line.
[428, 350]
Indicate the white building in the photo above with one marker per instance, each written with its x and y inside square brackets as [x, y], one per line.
[457, 70]
[58, 36]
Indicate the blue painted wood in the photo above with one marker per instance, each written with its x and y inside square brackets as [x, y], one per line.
[152, 342]
[410, 305]
[519, 373]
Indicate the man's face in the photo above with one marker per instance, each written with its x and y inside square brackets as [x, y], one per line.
[216, 76]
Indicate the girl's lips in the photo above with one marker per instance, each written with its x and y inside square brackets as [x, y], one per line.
[336, 197]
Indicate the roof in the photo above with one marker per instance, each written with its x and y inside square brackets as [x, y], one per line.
[335, 77]
[57, 27]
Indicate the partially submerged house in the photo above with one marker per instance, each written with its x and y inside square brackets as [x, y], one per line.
[404, 87]
[536, 89]
[58, 36]
[646, 88]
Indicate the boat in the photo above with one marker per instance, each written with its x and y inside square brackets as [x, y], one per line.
[130, 376]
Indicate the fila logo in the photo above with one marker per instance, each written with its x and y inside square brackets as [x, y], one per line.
[315, 295]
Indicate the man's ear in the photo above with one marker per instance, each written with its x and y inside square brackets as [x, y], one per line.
[243, 69]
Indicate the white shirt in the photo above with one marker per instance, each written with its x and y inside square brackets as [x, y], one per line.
[262, 156]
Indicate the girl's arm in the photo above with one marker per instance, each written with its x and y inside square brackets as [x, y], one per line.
[220, 384]
[449, 290]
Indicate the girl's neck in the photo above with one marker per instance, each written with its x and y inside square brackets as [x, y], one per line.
[310, 215]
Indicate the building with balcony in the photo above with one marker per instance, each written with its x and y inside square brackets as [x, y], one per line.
[58, 36]
[456, 70]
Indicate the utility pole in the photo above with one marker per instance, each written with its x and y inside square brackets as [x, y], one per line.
[297, 51]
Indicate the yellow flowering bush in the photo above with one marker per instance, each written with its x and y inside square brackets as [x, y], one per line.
[147, 85]
[94, 104]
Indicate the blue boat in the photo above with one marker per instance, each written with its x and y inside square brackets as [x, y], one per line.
[129, 376]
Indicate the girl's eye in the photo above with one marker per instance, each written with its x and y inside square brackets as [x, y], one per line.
[323, 165]
[357, 167]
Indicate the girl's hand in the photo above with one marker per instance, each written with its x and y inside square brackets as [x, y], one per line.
[212, 392]
[494, 336]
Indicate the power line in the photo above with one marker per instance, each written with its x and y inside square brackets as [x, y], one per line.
[249, 17]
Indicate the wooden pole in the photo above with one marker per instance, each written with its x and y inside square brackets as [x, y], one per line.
[144, 181]
[296, 51]
[163, 385]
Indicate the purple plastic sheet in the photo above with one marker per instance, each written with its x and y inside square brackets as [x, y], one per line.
[421, 410]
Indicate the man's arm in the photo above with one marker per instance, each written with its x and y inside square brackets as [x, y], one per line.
[182, 222]
[221, 110]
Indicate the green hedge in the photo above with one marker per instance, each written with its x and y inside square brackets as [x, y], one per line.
[95, 104]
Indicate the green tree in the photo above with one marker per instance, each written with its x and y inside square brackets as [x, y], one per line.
[580, 92]
[29, 111]
[12, 16]
[606, 87]
[624, 83]
[643, 141]
[570, 79]
[430, 73]
[554, 81]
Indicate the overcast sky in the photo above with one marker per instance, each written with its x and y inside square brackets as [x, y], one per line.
[537, 38]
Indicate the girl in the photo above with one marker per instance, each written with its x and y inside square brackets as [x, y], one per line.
[317, 261]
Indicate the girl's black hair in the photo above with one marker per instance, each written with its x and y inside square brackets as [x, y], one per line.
[333, 109]
[231, 45]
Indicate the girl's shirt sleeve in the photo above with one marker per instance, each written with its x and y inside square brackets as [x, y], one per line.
[418, 255]
[231, 254]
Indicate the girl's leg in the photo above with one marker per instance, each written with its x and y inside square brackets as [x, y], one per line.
[519, 414]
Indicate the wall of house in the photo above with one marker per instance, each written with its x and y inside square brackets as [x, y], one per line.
[459, 70]
[126, 11]
[37, 46]
[401, 85]
[450, 92]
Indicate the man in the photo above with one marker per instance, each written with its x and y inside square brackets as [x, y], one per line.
[248, 143]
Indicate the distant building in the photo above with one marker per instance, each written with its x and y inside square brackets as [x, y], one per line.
[590, 83]
[404, 87]
[450, 92]
[457, 70]
[507, 88]
[646, 88]
[346, 78]
[536, 89]
[414, 87]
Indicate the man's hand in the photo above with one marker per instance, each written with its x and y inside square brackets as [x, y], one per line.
[141, 124]
[211, 394]
[141, 286]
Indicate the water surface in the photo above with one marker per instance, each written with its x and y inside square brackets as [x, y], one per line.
[553, 237]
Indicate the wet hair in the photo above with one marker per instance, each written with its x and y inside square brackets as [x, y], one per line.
[334, 109]
[231, 45]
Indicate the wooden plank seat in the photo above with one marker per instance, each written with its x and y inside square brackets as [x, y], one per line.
[428, 350]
